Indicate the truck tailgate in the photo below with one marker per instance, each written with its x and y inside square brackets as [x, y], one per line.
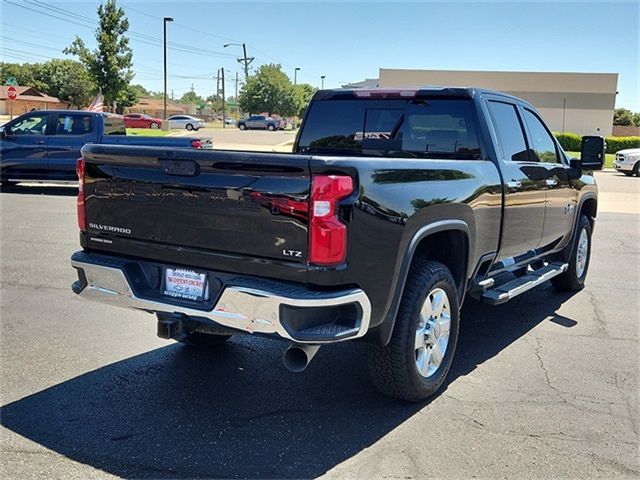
[229, 203]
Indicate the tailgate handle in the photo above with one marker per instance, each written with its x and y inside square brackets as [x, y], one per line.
[184, 168]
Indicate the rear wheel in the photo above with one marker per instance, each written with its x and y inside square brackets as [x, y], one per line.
[205, 341]
[189, 127]
[573, 279]
[154, 125]
[271, 127]
[636, 169]
[415, 363]
[242, 126]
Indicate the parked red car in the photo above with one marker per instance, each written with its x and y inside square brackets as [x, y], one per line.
[141, 120]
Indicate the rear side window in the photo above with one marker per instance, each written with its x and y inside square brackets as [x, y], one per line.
[74, 124]
[510, 132]
[544, 148]
[114, 125]
[441, 128]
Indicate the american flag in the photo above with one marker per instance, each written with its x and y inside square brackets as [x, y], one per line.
[97, 105]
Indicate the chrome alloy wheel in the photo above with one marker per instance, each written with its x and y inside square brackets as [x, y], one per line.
[432, 332]
[582, 253]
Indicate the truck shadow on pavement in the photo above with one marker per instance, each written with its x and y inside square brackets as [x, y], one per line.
[237, 413]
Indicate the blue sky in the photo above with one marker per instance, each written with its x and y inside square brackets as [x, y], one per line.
[345, 41]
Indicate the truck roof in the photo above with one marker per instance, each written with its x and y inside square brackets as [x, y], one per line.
[408, 92]
[84, 112]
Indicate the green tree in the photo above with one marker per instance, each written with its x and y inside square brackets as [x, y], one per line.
[269, 90]
[191, 98]
[68, 80]
[215, 101]
[110, 63]
[636, 119]
[140, 91]
[623, 117]
[26, 74]
[303, 93]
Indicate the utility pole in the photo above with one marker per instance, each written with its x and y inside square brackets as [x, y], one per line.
[224, 102]
[295, 76]
[165, 124]
[245, 60]
[322, 82]
[237, 106]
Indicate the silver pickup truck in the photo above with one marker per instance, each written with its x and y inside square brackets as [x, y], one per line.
[260, 122]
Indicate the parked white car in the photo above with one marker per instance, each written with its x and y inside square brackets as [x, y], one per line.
[628, 161]
[185, 121]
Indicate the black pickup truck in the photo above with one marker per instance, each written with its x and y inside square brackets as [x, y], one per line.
[45, 144]
[394, 206]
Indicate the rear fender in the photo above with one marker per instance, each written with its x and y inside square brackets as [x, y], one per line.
[385, 329]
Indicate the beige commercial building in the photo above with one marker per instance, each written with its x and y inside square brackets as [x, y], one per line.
[571, 102]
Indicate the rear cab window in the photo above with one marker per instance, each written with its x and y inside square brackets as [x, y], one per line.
[74, 124]
[424, 128]
[114, 124]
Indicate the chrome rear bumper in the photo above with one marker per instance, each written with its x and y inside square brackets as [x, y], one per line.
[248, 309]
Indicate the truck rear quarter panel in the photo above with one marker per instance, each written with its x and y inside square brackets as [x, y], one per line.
[394, 200]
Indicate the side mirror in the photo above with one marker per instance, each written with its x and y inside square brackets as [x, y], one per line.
[576, 168]
[592, 152]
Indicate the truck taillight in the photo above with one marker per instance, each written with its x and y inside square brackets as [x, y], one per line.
[196, 144]
[327, 233]
[80, 170]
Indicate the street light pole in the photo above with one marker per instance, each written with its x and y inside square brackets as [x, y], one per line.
[295, 76]
[165, 125]
[322, 82]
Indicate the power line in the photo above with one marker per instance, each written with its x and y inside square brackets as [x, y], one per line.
[134, 36]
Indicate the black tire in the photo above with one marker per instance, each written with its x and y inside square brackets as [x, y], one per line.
[204, 341]
[189, 127]
[571, 280]
[154, 125]
[636, 169]
[242, 126]
[393, 368]
[271, 127]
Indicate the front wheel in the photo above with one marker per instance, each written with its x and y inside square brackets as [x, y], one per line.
[271, 128]
[154, 126]
[573, 279]
[189, 127]
[414, 364]
[242, 126]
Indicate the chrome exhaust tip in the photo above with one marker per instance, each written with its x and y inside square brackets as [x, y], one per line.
[297, 357]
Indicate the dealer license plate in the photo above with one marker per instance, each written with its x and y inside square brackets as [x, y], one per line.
[180, 283]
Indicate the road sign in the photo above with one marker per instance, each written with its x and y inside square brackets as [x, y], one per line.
[11, 81]
[12, 93]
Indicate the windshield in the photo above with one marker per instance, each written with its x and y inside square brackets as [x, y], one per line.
[440, 128]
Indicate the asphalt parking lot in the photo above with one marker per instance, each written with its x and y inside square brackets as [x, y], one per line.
[544, 387]
[231, 138]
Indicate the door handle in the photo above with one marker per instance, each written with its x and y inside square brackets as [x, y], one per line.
[551, 182]
[514, 184]
[38, 142]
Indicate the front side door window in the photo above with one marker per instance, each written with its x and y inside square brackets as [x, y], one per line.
[30, 125]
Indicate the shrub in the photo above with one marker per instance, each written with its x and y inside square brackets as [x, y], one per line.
[620, 143]
[571, 142]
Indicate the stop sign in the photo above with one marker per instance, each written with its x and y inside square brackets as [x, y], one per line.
[11, 93]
